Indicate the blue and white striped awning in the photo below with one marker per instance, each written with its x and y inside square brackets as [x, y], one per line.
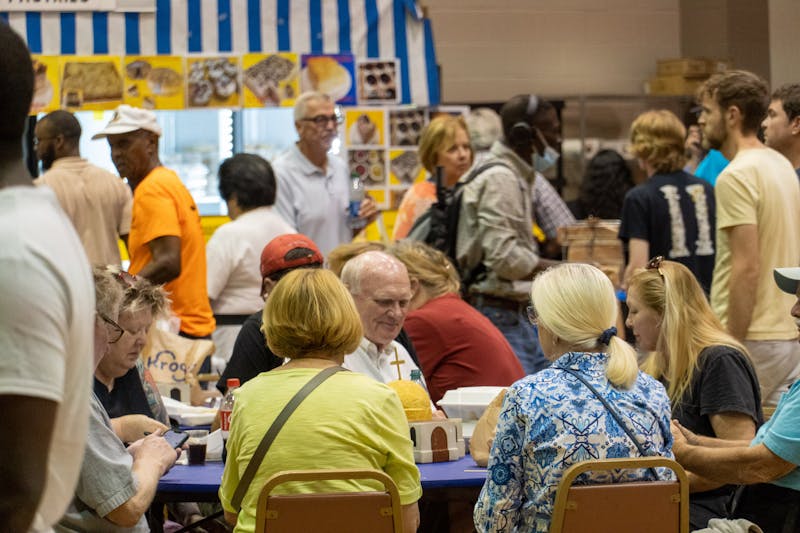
[365, 28]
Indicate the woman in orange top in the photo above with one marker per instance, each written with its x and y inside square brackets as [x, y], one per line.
[444, 142]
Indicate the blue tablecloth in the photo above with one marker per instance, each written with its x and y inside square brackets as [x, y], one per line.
[201, 483]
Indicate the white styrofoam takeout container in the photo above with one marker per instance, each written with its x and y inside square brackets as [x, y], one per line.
[468, 403]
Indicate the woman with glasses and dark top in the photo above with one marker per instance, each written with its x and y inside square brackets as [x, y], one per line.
[710, 381]
[121, 383]
[673, 213]
[563, 414]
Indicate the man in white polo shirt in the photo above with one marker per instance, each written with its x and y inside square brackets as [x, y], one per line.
[313, 187]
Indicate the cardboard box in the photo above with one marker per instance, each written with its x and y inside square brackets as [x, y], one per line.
[691, 67]
[673, 85]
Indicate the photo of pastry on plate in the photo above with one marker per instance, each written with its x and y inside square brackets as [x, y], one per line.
[326, 75]
[42, 88]
[364, 131]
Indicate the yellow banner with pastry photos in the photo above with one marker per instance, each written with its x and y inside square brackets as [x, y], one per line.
[270, 80]
[45, 84]
[90, 82]
[155, 82]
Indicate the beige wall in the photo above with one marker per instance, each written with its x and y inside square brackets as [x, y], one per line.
[490, 50]
[784, 41]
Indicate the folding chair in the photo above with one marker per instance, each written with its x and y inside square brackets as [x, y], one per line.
[652, 506]
[332, 512]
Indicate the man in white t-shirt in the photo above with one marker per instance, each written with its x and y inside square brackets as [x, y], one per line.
[46, 318]
[758, 228]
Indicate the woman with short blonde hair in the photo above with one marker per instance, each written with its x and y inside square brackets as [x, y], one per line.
[672, 214]
[457, 345]
[349, 421]
[555, 418]
[311, 313]
[710, 381]
[444, 142]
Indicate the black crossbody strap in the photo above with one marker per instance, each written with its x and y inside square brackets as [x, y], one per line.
[613, 412]
[272, 432]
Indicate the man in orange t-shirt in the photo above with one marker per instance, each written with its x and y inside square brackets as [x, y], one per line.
[166, 241]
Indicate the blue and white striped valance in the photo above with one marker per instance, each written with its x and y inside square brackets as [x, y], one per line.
[365, 28]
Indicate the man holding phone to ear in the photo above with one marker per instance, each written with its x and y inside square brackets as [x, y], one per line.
[116, 484]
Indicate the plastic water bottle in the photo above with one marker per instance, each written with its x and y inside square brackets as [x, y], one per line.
[356, 197]
[225, 411]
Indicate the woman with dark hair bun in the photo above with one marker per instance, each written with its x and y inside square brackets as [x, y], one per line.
[605, 183]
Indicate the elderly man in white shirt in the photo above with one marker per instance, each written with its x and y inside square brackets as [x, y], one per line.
[382, 291]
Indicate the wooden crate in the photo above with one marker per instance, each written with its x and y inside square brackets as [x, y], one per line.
[595, 241]
[689, 67]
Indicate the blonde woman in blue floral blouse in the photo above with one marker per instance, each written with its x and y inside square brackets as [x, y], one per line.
[551, 420]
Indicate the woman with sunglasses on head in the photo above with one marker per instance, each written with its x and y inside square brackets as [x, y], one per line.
[556, 418]
[710, 381]
[120, 381]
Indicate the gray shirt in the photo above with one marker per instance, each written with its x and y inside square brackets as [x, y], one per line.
[496, 227]
[312, 200]
[106, 479]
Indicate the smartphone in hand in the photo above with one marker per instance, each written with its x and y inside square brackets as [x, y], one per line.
[176, 439]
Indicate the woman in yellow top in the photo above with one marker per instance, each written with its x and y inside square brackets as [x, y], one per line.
[444, 142]
[350, 421]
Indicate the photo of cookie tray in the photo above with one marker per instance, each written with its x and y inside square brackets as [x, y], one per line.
[270, 80]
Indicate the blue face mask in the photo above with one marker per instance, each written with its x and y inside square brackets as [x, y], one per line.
[543, 162]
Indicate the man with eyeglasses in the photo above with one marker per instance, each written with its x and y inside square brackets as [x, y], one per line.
[382, 291]
[46, 324]
[96, 201]
[313, 185]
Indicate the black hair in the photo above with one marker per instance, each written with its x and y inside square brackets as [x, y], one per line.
[16, 85]
[62, 123]
[608, 177]
[250, 178]
[789, 95]
[521, 110]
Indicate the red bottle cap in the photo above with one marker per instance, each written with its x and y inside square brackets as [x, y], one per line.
[233, 382]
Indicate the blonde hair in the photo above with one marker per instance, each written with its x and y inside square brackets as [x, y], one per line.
[440, 133]
[107, 292]
[577, 303]
[345, 252]
[309, 313]
[657, 137]
[688, 325]
[430, 267]
[140, 293]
